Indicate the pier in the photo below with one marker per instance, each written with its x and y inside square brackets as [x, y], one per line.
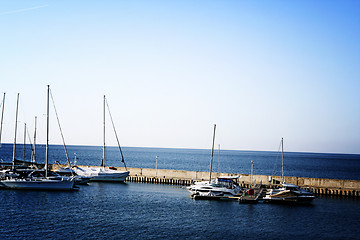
[319, 186]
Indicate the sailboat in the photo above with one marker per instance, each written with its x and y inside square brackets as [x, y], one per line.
[287, 193]
[103, 174]
[26, 178]
[219, 187]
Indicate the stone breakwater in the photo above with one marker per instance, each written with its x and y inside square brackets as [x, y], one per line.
[319, 186]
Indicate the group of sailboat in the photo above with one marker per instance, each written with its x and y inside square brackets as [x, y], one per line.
[228, 187]
[66, 178]
[26, 177]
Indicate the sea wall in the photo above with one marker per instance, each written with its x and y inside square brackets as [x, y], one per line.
[320, 186]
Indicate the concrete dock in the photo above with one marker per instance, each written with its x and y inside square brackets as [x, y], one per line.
[319, 186]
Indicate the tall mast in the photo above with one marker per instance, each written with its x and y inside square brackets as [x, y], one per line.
[219, 161]
[2, 116]
[16, 116]
[103, 158]
[282, 159]
[47, 133]
[251, 173]
[212, 152]
[24, 141]
[33, 156]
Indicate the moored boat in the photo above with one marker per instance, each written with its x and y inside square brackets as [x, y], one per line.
[220, 186]
[288, 193]
[35, 180]
[102, 173]
[98, 174]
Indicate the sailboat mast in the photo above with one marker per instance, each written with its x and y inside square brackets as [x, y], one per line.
[17, 107]
[47, 132]
[282, 159]
[16, 116]
[33, 158]
[212, 152]
[103, 158]
[251, 174]
[219, 161]
[24, 141]
[2, 116]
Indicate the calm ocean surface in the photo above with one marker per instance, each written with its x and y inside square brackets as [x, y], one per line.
[156, 211]
[317, 165]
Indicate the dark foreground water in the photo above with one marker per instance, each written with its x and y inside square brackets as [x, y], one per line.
[150, 211]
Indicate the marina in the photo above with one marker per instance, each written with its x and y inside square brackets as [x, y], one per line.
[155, 203]
[43, 179]
[199, 120]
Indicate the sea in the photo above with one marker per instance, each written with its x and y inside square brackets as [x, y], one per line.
[158, 211]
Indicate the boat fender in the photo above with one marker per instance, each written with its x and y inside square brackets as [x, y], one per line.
[251, 191]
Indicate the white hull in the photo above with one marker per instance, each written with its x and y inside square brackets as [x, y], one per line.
[288, 193]
[223, 186]
[295, 199]
[110, 176]
[102, 174]
[208, 190]
[43, 184]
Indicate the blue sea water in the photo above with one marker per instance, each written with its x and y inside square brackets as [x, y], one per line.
[316, 165]
[157, 211]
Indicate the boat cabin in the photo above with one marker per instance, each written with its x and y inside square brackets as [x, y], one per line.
[228, 182]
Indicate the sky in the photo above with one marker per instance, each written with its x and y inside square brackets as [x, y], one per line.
[170, 70]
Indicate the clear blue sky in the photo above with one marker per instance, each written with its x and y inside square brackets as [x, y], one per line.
[260, 70]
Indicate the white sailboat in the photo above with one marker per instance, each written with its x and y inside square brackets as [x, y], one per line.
[287, 193]
[218, 187]
[103, 174]
[15, 179]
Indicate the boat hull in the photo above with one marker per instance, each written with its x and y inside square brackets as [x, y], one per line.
[45, 184]
[219, 186]
[290, 200]
[79, 180]
[102, 174]
[110, 177]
